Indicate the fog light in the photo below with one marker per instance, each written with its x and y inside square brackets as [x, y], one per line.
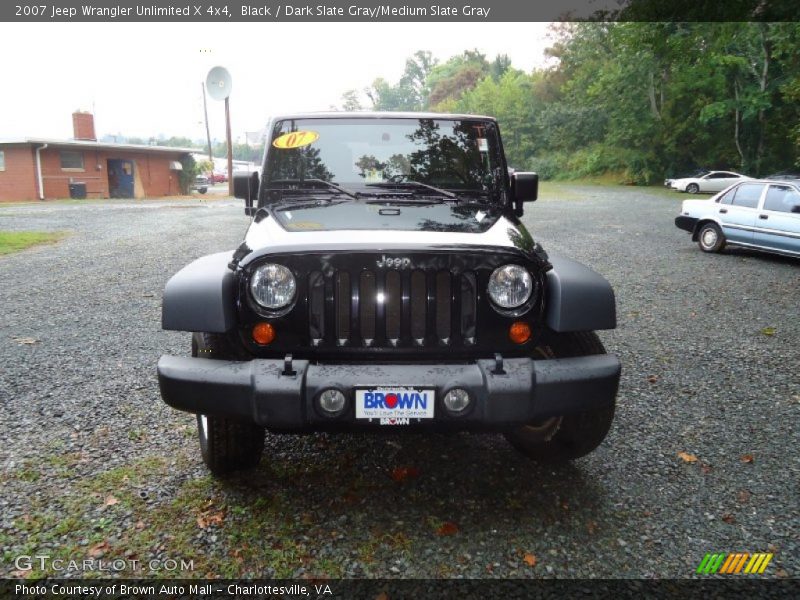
[519, 332]
[332, 402]
[456, 400]
[263, 333]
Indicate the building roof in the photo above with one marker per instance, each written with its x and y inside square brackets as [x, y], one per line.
[89, 144]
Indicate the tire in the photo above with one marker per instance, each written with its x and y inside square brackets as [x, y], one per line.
[565, 438]
[692, 188]
[710, 238]
[227, 445]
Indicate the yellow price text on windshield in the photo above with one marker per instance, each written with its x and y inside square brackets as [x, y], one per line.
[295, 139]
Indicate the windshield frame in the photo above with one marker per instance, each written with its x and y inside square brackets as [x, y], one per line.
[499, 194]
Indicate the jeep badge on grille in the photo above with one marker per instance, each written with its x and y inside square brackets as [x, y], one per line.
[397, 263]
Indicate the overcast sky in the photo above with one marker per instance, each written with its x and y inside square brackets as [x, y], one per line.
[144, 79]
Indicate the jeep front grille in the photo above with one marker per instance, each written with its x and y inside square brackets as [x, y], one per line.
[392, 308]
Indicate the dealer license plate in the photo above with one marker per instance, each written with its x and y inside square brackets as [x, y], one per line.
[394, 405]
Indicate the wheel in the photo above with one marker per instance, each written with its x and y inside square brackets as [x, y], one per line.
[710, 238]
[565, 438]
[203, 190]
[692, 188]
[226, 445]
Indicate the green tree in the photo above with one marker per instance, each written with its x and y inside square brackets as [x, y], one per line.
[187, 174]
[350, 101]
[509, 99]
[639, 99]
[410, 92]
[240, 151]
[449, 81]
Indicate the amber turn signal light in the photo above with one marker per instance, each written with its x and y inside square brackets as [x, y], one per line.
[263, 333]
[519, 332]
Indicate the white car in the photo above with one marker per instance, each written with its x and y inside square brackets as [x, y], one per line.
[759, 214]
[713, 181]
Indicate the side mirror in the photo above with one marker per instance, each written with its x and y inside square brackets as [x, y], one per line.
[524, 188]
[245, 187]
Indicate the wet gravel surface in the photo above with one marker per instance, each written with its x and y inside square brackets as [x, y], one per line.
[709, 346]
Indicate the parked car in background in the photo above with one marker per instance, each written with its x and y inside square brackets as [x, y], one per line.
[200, 184]
[713, 181]
[217, 178]
[758, 214]
[697, 173]
[784, 176]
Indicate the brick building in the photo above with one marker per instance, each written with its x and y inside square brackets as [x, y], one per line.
[39, 169]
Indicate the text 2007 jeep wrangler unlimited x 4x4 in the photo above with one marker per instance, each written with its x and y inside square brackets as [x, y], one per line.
[386, 280]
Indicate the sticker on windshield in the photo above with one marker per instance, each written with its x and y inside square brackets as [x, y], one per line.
[483, 145]
[373, 176]
[295, 139]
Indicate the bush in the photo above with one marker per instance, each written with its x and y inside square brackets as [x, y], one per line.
[548, 167]
[187, 175]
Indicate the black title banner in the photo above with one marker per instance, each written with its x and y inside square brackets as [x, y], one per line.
[407, 589]
[409, 10]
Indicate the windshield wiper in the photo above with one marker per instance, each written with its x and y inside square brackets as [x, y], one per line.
[329, 184]
[412, 184]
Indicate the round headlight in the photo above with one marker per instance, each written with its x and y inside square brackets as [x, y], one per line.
[510, 286]
[273, 286]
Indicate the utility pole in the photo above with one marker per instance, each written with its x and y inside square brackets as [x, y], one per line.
[219, 87]
[208, 133]
[230, 146]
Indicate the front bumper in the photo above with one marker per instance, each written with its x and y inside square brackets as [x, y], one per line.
[686, 223]
[259, 390]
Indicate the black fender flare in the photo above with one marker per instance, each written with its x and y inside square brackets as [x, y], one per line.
[201, 296]
[578, 298]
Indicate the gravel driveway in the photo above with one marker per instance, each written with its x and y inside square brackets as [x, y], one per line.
[94, 465]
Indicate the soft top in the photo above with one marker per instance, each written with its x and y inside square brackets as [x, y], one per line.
[379, 115]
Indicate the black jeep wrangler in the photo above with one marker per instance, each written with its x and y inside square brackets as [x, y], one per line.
[386, 281]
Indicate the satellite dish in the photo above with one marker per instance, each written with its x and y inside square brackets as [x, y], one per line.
[219, 83]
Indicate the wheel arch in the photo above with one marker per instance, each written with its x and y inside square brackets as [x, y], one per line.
[578, 298]
[201, 296]
[699, 225]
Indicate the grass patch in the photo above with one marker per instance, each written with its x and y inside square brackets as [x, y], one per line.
[660, 190]
[609, 178]
[257, 524]
[576, 189]
[558, 190]
[14, 241]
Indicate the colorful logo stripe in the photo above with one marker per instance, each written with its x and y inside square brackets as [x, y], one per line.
[734, 563]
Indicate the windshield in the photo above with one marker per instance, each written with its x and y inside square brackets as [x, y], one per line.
[374, 157]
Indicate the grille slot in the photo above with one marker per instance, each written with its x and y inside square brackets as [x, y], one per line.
[419, 298]
[392, 308]
[443, 306]
[342, 300]
[469, 309]
[393, 296]
[316, 307]
[368, 293]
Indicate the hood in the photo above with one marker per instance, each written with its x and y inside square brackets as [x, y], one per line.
[384, 214]
[695, 206]
[366, 225]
